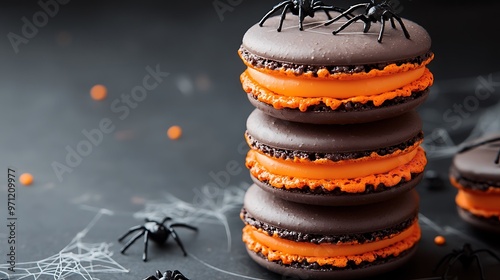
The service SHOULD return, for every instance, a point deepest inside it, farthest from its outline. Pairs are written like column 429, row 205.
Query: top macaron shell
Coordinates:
column 478, row 164
column 319, row 47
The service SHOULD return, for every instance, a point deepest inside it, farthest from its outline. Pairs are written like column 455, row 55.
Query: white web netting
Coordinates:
column 78, row 260
column 209, row 205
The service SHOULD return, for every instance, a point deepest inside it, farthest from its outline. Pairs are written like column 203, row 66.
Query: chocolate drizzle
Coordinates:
column 330, row 239
column 291, row 154
column 299, row 69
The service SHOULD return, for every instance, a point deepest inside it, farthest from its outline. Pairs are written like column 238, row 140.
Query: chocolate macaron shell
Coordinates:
column 336, row 117
column 478, row 164
column 324, row 220
column 491, row 224
column 294, row 136
column 361, row 273
column 316, row 45
column 340, row 200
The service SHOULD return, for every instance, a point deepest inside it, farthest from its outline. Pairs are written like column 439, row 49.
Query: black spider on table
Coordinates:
column 466, row 256
column 156, row 231
column 301, row 8
column 488, row 141
column 168, row 275
column 373, row 12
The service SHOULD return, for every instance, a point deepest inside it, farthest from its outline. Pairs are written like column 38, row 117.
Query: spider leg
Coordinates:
column 146, row 239
column 443, row 260
column 273, row 10
column 407, row 35
column 392, row 23
column 178, row 240
column 489, row 252
column 346, row 12
column 382, row 27
column 318, row 5
column 283, row 15
column 467, row 148
column 165, row 220
column 367, row 24
column 158, row 274
column 451, row 263
column 131, row 241
column 349, row 22
column 178, row 275
column 481, row 273
column 131, row 230
column 497, row 160
column 301, row 18
column 151, row 278
column 331, row 8
column 184, row 226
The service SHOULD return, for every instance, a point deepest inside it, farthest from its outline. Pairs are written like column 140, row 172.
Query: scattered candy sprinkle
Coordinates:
column 439, row 240
column 98, row 92
column 174, row 132
column 26, row 179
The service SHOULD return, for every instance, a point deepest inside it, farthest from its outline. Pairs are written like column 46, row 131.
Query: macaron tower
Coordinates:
column 334, row 143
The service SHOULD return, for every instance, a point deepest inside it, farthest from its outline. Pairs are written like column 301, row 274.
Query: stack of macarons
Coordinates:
column 475, row 172
column 334, row 147
column 312, row 76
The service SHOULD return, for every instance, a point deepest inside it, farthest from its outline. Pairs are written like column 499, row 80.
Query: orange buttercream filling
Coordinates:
column 372, row 156
column 476, row 200
column 280, row 101
column 277, row 249
column 480, row 203
column 313, row 87
column 331, row 170
column 355, row 185
column 325, row 74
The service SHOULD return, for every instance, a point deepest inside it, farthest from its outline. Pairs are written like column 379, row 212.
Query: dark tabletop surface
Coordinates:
column 68, row 221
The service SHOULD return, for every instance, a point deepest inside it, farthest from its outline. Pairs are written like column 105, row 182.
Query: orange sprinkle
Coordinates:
column 439, row 240
column 98, row 92
column 174, row 132
column 26, row 179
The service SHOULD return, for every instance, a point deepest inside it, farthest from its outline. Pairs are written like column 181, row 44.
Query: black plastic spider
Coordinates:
column 373, row 13
column 158, row 232
column 465, row 256
column 168, row 275
column 302, row 8
column 488, row 141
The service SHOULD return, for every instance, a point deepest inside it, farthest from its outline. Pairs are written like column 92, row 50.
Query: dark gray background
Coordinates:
column 45, row 106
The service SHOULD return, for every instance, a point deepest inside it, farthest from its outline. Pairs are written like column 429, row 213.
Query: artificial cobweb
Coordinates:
column 210, row 205
column 78, row 259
